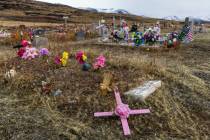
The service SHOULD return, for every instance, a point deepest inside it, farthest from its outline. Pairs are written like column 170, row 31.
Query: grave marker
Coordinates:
column 80, row 35
column 65, row 21
column 40, row 41
column 39, row 32
column 144, row 91
column 122, row 111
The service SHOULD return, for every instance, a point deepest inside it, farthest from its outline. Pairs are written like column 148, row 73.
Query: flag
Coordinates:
column 189, row 36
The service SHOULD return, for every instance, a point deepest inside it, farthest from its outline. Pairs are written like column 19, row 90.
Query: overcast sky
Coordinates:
column 153, row 8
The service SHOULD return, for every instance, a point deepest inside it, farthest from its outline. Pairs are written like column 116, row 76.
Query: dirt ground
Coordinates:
column 180, row 109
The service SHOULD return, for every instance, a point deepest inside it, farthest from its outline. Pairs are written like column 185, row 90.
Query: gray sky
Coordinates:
column 153, row 8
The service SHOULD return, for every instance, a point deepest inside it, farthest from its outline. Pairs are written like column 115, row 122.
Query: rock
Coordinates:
column 57, row 93
column 144, row 91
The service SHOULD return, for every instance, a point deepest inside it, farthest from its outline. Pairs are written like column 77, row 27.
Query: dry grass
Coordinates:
column 180, row 109
column 8, row 23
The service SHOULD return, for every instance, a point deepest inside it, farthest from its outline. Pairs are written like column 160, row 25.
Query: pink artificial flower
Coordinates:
column 24, row 43
column 30, row 53
column 122, row 110
column 100, row 62
column 57, row 60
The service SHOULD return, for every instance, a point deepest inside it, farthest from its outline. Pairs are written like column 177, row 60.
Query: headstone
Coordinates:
column 40, row 41
column 94, row 26
column 144, row 91
column 187, row 21
column 80, row 35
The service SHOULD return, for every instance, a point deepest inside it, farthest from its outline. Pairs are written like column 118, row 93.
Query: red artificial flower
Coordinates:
column 20, row 52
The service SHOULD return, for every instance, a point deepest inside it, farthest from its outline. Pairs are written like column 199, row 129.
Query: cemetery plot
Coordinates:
column 72, row 92
column 66, row 82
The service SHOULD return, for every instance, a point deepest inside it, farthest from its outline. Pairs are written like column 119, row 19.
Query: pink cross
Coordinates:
column 123, row 111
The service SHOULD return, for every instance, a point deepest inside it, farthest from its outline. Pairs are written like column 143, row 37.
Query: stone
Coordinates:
column 40, row 41
column 57, row 92
column 142, row 92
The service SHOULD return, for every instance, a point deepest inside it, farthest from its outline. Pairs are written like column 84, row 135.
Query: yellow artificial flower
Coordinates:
column 64, row 58
column 64, row 62
column 65, row 55
column 84, row 57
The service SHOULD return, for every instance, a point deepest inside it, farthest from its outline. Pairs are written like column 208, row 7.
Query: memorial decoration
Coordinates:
column 123, row 111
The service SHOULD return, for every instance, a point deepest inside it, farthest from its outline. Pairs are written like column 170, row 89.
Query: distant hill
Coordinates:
column 36, row 11
column 175, row 18
column 197, row 20
column 111, row 10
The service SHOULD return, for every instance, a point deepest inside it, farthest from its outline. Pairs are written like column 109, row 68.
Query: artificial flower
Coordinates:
column 64, row 61
column 81, row 57
column 64, row 58
column 151, row 36
column 65, row 55
column 100, row 62
column 24, row 43
column 57, row 60
column 44, row 52
column 20, row 52
column 84, row 57
column 30, row 53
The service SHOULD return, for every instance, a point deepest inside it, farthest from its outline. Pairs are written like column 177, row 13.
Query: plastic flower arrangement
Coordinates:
column 172, row 40
column 30, row 53
column 150, row 37
column 44, row 52
column 81, row 57
column 138, row 38
column 64, row 59
column 100, row 62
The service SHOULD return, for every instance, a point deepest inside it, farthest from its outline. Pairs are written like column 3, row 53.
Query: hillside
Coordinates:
column 35, row 11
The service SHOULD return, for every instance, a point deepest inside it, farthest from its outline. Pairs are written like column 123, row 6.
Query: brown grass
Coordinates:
column 8, row 23
column 180, row 109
